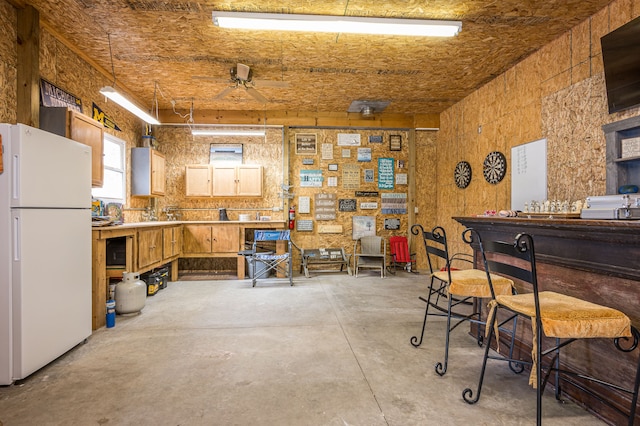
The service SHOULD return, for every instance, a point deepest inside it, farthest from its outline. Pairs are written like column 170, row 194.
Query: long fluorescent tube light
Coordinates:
column 336, row 24
column 116, row 97
column 205, row 132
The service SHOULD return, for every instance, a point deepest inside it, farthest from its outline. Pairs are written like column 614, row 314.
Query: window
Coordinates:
column 113, row 188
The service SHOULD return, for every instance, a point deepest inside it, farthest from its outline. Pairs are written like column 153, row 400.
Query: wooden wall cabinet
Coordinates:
column 210, row 240
column 147, row 172
column 149, row 247
column 204, row 180
column 81, row 128
column 198, row 180
column 237, row 181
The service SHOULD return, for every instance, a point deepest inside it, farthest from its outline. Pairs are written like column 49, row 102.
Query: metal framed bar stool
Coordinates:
column 563, row 318
column 460, row 288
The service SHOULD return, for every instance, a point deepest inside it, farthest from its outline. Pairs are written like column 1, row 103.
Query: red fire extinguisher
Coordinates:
column 292, row 217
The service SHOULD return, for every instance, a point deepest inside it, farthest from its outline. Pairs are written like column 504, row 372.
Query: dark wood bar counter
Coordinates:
column 595, row 260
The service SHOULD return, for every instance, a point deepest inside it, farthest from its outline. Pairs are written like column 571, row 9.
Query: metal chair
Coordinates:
column 461, row 288
column 278, row 262
column 561, row 317
column 400, row 255
column 370, row 252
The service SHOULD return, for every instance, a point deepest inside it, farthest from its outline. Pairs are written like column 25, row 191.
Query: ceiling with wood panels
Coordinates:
column 170, row 53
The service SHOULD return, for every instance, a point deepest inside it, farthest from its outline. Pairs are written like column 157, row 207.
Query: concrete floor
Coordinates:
column 332, row 350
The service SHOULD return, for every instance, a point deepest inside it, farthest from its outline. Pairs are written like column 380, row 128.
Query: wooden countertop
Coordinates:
column 253, row 223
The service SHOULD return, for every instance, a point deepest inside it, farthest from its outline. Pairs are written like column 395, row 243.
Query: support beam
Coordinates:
column 304, row 119
column 28, row 50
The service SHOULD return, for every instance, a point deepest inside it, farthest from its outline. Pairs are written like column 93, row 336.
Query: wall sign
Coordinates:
column 367, row 193
column 375, row 139
column 304, row 204
column 306, row 143
column 364, row 154
column 327, row 151
column 348, row 139
column 347, row 205
column 311, row 178
column 325, row 206
column 307, row 161
column 304, row 225
column 392, row 224
column 350, row 176
column 329, row 229
column 53, row 96
column 385, row 173
column 394, row 203
column 369, row 206
column 363, row 226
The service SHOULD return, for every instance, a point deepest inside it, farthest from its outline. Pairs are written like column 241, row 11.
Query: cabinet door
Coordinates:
column 226, row 238
column 196, row 239
column 171, row 242
column 224, row 181
column 149, row 246
column 157, row 173
column 249, row 180
column 90, row 132
column 198, row 180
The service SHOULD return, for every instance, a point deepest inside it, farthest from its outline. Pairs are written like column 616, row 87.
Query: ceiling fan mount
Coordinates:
column 242, row 77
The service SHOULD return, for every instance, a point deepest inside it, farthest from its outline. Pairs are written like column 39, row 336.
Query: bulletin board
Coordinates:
column 528, row 173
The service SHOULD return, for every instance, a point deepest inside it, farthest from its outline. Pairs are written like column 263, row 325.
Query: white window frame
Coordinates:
column 95, row 192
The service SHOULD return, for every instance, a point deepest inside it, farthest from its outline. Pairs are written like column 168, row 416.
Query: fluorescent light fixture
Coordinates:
column 336, row 24
column 218, row 132
column 116, row 97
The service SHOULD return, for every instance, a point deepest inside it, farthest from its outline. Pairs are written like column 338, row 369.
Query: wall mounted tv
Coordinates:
column 621, row 57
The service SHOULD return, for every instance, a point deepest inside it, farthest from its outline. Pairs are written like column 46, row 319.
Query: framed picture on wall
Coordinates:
column 333, row 167
column 395, row 143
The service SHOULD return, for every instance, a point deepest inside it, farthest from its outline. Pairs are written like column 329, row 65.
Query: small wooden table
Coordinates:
column 325, row 256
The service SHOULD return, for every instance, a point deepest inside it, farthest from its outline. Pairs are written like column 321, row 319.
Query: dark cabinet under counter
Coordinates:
column 595, row 260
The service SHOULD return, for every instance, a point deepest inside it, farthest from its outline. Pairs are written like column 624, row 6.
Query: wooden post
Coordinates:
column 28, row 49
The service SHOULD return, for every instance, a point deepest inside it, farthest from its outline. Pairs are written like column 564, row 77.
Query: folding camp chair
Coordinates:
column 278, row 262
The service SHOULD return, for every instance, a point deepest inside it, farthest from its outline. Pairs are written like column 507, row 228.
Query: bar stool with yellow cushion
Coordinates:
column 462, row 289
column 552, row 314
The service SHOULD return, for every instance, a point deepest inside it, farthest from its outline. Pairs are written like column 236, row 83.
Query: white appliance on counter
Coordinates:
column 45, row 249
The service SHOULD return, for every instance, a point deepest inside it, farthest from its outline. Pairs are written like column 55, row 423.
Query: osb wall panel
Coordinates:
column 65, row 69
column 378, row 150
column 181, row 148
column 8, row 63
column 557, row 93
column 426, row 189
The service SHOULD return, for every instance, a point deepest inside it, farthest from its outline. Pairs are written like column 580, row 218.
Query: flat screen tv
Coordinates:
column 621, row 57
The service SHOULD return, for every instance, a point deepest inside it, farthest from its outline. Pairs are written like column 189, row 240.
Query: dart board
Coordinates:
column 494, row 167
column 462, row 174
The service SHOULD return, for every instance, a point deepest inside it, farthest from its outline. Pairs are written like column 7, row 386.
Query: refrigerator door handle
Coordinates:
column 15, row 178
column 16, row 239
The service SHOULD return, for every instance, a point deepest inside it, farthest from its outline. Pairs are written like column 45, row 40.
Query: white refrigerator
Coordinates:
column 45, row 249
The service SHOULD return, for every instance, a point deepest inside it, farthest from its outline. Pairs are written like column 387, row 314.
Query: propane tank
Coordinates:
column 292, row 217
column 131, row 293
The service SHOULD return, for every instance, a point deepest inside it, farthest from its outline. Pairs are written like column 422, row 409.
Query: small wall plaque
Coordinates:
column 367, row 193
column 392, row 224
column 375, row 139
column 307, row 161
column 369, row 206
column 304, row 225
column 347, row 205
